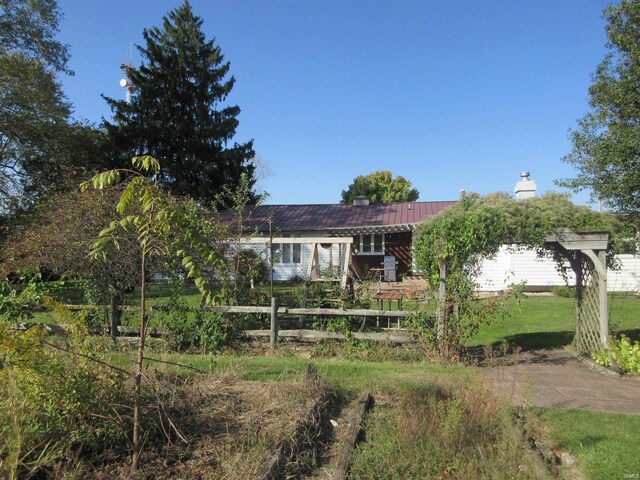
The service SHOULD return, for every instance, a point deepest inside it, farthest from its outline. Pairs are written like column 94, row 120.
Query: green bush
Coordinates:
column 54, row 407
column 564, row 291
column 18, row 304
column 625, row 354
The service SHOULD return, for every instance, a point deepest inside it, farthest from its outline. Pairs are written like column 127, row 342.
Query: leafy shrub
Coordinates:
column 54, row 407
column 564, row 291
column 624, row 353
column 190, row 328
column 18, row 305
column 194, row 330
column 459, row 324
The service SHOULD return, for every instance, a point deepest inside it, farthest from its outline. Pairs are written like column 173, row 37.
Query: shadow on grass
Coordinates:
column 523, row 342
column 549, row 340
column 632, row 334
column 539, row 340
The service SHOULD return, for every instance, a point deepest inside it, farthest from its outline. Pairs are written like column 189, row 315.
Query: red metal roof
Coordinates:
column 297, row 218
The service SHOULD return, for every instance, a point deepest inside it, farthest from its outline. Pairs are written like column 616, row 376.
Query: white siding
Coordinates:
column 627, row 279
column 327, row 257
column 511, row 267
column 508, row 268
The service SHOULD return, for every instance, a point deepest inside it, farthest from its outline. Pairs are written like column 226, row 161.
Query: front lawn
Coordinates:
column 549, row 321
column 606, row 445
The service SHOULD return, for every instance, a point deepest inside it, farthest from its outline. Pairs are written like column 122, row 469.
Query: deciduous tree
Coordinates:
column 606, row 144
column 41, row 148
column 161, row 230
column 56, row 237
column 380, row 187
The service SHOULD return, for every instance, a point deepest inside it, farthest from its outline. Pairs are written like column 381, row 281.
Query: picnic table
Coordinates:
column 389, row 296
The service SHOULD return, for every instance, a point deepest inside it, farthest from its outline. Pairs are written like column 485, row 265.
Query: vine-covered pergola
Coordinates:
column 450, row 246
column 586, row 253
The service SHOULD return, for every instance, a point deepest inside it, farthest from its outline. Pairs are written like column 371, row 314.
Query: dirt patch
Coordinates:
column 221, row 428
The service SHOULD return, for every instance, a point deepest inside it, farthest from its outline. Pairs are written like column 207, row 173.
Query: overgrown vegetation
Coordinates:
column 56, row 407
column 450, row 246
column 19, row 306
column 438, row 432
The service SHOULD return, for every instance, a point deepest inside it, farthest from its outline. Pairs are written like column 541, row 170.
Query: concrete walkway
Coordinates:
column 555, row 378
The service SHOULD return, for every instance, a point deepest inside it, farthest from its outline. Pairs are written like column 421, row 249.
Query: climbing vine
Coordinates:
column 450, row 246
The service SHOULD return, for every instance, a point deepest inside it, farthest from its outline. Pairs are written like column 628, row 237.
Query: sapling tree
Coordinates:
column 245, row 267
column 162, row 229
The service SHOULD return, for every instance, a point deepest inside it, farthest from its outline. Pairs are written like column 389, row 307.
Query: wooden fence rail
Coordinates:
column 309, row 312
column 394, row 337
column 275, row 312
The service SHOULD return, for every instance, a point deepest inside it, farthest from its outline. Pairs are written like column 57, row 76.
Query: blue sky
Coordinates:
column 450, row 94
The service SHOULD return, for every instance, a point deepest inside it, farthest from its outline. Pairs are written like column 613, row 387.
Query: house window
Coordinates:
column 286, row 252
column 369, row 243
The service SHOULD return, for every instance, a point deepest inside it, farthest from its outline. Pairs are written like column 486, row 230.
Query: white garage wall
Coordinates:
column 511, row 267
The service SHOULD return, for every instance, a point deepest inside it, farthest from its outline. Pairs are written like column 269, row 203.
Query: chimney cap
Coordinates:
column 525, row 188
column 361, row 200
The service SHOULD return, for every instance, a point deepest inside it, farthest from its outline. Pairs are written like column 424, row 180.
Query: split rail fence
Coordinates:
column 276, row 313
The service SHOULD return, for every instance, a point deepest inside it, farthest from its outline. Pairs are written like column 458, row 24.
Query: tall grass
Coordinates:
column 437, row 432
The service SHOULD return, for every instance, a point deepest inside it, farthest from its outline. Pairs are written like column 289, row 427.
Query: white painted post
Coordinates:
column 604, row 308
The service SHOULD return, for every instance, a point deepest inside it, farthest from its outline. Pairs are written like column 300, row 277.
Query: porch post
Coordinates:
column 604, row 307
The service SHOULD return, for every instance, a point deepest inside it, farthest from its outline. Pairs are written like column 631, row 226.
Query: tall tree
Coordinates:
column 40, row 146
column 175, row 113
column 380, row 187
column 32, row 106
column 606, row 144
column 56, row 236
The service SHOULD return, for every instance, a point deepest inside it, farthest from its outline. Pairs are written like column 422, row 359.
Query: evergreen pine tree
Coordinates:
column 175, row 113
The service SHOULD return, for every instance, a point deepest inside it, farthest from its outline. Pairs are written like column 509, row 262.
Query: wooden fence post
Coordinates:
column 274, row 323
column 441, row 307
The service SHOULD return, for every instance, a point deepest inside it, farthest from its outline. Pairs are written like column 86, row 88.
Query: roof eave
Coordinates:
column 348, row 231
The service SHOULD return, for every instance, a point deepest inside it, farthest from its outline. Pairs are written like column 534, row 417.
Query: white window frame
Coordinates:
column 291, row 253
column 360, row 244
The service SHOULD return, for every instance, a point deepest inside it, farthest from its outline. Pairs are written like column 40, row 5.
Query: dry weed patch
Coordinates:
column 436, row 431
column 217, row 426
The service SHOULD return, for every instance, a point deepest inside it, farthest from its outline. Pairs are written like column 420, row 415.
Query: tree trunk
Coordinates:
column 137, row 446
column 115, row 314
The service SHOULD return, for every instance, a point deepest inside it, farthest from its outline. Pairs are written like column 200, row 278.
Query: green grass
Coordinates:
column 352, row 376
column 548, row 322
column 606, row 445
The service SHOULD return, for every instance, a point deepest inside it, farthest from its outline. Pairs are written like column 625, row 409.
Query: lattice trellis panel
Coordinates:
column 587, row 337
